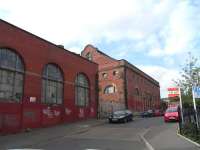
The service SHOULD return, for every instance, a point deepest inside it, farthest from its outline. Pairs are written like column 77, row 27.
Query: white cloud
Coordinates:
column 90, row 21
column 159, row 28
column 168, row 61
column 164, row 76
column 180, row 32
column 66, row 21
column 75, row 49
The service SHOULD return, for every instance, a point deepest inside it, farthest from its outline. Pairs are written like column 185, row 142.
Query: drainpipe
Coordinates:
column 125, row 87
column 97, row 95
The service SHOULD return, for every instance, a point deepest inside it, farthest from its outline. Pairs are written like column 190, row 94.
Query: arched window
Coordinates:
column 109, row 89
column 52, row 85
column 89, row 56
column 104, row 75
column 115, row 72
column 81, row 90
column 11, row 75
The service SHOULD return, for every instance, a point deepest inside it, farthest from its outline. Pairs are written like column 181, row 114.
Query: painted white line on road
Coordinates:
column 25, row 149
column 148, row 145
column 187, row 139
column 92, row 149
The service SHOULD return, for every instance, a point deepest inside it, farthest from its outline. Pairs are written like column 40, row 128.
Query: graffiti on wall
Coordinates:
column 81, row 113
column 67, row 111
column 51, row 113
column 92, row 110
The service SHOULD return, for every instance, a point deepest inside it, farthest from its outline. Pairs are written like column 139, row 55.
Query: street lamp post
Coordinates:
column 111, row 102
column 181, row 106
column 195, row 84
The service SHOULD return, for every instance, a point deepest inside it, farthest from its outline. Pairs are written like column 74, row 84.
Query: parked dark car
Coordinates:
column 148, row 113
column 158, row 113
column 121, row 116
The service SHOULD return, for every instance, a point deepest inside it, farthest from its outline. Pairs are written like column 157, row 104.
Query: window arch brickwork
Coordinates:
column 110, row 89
column 89, row 56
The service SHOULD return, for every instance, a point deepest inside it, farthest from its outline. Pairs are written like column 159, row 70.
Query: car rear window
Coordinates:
column 172, row 109
column 119, row 113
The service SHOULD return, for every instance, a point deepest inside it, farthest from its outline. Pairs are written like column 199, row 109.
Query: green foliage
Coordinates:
column 198, row 102
column 163, row 106
column 190, row 131
column 190, row 76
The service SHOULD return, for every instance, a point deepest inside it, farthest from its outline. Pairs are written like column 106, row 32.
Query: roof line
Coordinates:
column 99, row 51
column 57, row 46
column 106, row 54
column 145, row 74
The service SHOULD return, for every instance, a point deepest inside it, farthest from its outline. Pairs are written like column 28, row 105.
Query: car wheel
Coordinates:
column 125, row 120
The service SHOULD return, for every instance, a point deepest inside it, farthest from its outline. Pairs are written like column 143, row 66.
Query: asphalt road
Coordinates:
column 161, row 136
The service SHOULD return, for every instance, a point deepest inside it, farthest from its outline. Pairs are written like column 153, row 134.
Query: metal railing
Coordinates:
column 188, row 126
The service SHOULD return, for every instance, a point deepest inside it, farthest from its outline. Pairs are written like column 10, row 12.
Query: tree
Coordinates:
column 190, row 76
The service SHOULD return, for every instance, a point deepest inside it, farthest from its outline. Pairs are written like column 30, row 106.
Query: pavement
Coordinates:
column 165, row 138
column 116, row 136
column 140, row 134
column 42, row 135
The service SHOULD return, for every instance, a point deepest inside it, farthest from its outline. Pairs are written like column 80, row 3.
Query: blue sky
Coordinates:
column 154, row 35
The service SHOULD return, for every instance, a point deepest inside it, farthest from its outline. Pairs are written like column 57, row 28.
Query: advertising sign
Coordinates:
column 173, row 92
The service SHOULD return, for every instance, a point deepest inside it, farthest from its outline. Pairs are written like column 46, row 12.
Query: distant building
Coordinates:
column 122, row 85
column 166, row 100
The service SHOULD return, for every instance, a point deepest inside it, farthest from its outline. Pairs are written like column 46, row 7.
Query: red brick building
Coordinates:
column 122, row 85
column 42, row 84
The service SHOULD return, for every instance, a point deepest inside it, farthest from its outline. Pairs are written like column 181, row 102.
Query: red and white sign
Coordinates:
column 173, row 92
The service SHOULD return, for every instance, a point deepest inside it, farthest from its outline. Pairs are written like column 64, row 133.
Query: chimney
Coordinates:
column 61, row 46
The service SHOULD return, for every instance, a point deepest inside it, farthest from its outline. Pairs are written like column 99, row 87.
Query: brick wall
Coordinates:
column 127, row 80
column 108, row 65
column 36, row 53
column 148, row 97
